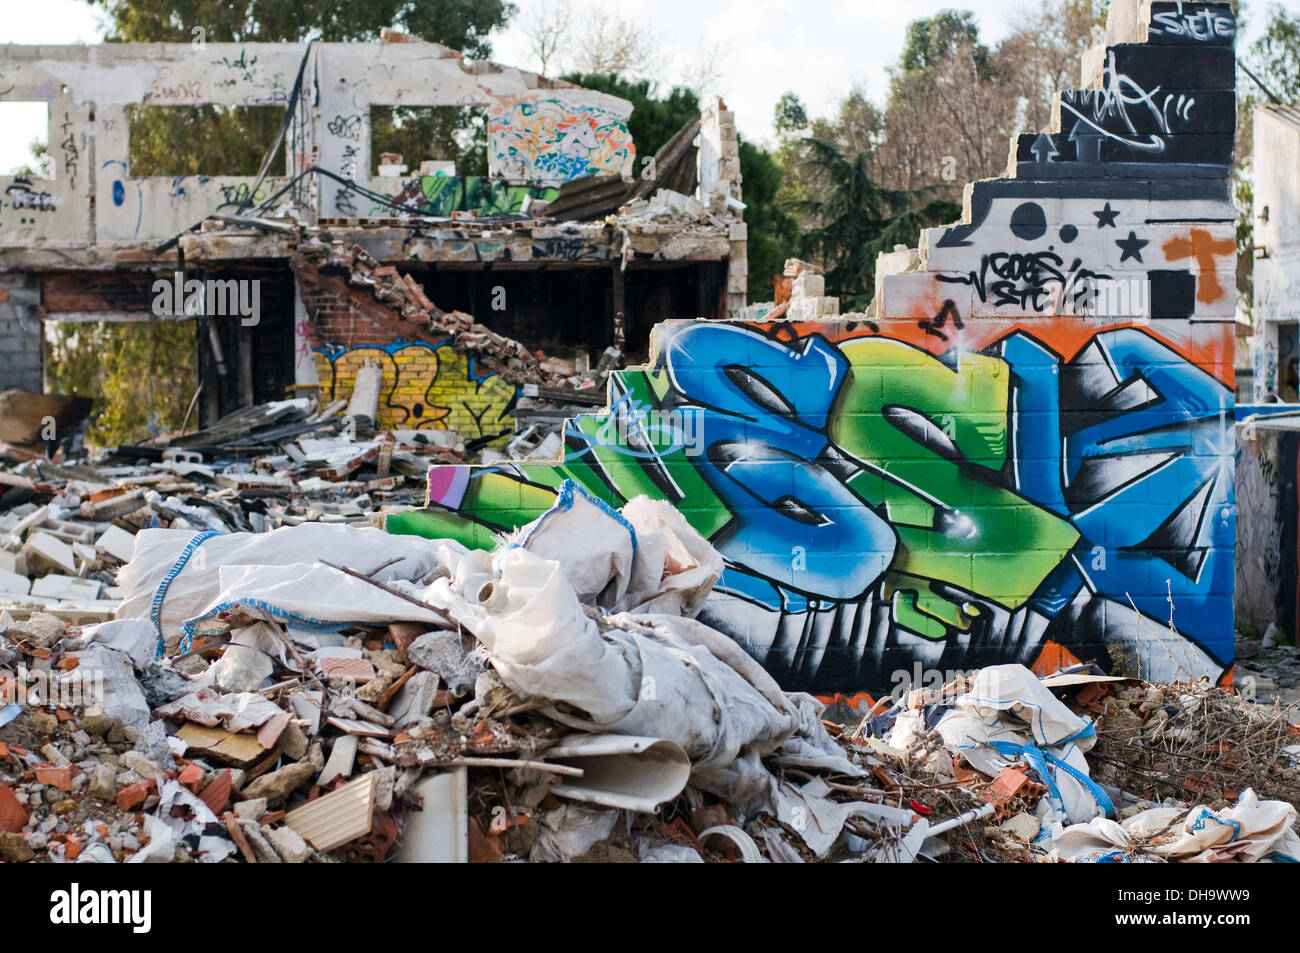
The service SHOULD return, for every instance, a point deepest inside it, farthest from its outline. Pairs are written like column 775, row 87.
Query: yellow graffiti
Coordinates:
column 422, row 388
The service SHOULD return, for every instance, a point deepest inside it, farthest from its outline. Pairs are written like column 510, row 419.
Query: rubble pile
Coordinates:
column 501, row 355
column 66, row 528
column 546, row 376
column 331, row 692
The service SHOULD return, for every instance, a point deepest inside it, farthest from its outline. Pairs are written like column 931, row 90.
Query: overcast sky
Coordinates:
column 817, row 48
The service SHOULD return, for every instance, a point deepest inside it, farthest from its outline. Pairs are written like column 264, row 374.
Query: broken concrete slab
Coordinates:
column 45, row 553
column 117, row 543
column 70, row 588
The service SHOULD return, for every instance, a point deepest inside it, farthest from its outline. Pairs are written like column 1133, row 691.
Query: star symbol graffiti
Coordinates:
column 1132, row 247
column 1106, row 216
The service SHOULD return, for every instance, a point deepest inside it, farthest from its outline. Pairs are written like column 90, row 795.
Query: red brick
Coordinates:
column 60, row 778
column 217, row 794
column 190, row 776
column 132, row 797
column 483, row 848
column 13, row 818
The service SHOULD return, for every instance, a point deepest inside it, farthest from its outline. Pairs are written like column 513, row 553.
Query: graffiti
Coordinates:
column 346, row 127
column 22, row 195
column 425, row 387
column 242, row 64
column 276, row 97
column 1095, row 109
column 1199, row 22
column 1201, row 245
column 869, row 479
column 440, row 195
column 188, row 90
column 71, row 155
column 1030, row 282
column 345, row 203
column 569, row 249
column 239, row 193
column 554, row 139
column 348, row 164
column 1026, row 454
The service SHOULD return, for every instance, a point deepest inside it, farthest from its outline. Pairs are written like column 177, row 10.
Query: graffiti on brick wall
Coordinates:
column 424, row 387
column 440, row 195
column 876, row 501
column 552, row 139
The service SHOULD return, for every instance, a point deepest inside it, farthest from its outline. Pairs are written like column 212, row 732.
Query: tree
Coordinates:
column 789, row 115
column 461, row 24
column 546, row 28
column 141, row 375
column 933, row 40
column 948, row 118
column 611, row 43
column 1042, row 54
column 1275, row 56
column 857, row 218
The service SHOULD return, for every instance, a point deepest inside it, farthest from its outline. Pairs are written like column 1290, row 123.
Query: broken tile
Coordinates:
column 338, row 817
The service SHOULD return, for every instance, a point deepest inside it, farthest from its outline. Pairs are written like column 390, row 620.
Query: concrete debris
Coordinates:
column 336, row 693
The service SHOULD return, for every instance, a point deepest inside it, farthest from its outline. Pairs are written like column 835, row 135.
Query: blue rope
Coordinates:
column 155, row 610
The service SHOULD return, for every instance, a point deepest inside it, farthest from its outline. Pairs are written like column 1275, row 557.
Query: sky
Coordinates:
column 816, row 48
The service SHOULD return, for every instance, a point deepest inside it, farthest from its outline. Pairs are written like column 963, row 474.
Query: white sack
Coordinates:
column 193, row 586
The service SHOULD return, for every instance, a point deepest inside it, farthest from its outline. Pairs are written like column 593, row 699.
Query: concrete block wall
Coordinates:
column 1023, row 453
column 20, row 332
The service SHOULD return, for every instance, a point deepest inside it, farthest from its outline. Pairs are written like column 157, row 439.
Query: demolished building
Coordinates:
column 1021, row 456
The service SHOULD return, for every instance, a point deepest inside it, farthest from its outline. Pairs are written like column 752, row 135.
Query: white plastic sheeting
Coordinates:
column 654, row 674
column 585, row 606
column 1249, row 831
column 1009, row 716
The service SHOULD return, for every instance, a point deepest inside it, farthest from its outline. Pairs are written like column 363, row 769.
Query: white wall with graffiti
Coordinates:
column 1276, row 345
column 541, row 134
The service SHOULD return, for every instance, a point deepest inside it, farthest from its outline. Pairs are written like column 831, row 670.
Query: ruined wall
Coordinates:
column 426, row 384
column 20, row 333
column 543, row 136
column 1276, row 279
column 1267, row 505
column 1025, row 453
